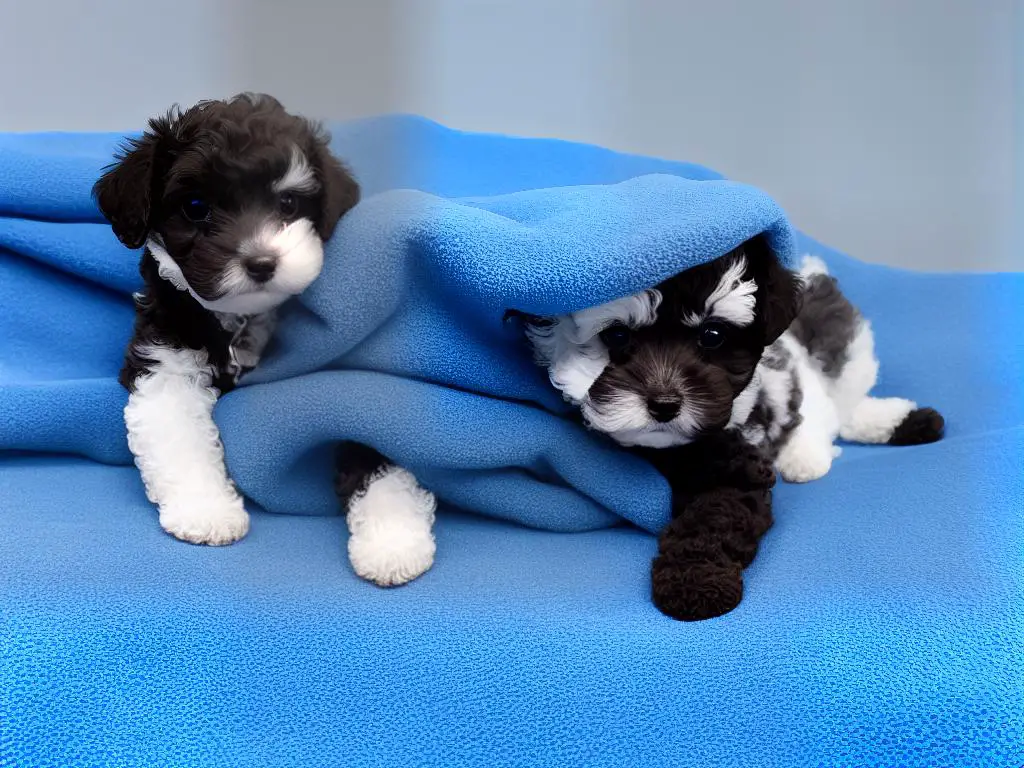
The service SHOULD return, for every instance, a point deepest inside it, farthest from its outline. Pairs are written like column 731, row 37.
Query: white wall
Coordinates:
column 110, row 64
column 884, row 127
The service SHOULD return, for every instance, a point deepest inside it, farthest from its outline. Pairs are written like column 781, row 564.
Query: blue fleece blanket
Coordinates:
column 882, row 624
column 401, row 343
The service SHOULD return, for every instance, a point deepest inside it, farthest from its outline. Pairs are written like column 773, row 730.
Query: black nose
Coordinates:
column 663, row 408
column 260, row 268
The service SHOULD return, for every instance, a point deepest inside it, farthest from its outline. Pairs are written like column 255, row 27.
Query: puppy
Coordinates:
column 745, row 363
column 232, row 201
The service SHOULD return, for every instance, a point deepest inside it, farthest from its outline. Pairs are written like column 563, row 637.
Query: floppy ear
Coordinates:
column 779, row 290
column 125, row 191
column 339, row 192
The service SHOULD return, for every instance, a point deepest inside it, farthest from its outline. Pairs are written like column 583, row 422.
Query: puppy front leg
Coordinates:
column 390, row 517
column 721, row 508
column 698, row 573
column 177, row 446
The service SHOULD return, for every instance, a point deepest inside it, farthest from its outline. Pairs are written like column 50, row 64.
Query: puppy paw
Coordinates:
column 393, row 557
column 801, row 461
column 205, row 522
column 922, row 425
column 391, row 525
column 692, row 591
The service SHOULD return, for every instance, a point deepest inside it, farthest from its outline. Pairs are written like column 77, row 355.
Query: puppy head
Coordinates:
column 234, row 198
column 663, row 367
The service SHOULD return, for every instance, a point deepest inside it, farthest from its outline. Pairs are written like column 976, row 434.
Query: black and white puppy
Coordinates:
column 719, row 376
column 233, row 201
column 738, row 344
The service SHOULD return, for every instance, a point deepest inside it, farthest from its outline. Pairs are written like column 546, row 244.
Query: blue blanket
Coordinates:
column 401, row 343
column 882, row 623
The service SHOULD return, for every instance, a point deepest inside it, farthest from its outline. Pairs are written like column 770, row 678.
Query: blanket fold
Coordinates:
column 401, row 342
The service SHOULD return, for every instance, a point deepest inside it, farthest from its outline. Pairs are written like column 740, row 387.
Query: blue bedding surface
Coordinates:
column 882, row 624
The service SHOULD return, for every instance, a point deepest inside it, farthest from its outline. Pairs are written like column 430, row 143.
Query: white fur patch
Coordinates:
column 745, row 401
column 391, row 525
column 836, row 407
column 299, row 177
column 733, row 300
column 627, row 411
column 875, row 419
column 299, row 252
column 812, row 265
column 300, row 257
column 570, row 348
column 807, row 453
column 169, row 270
column 859, row 374
column 575, row 373
column 178, row 451
column 628, row 421
column 634, row 311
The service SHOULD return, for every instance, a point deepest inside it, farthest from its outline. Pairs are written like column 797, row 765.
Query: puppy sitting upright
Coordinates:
column 714, row 375
column 233, row 201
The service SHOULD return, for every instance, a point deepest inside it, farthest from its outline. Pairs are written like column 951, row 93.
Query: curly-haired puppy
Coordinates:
column 719, row 372
column 232, row 201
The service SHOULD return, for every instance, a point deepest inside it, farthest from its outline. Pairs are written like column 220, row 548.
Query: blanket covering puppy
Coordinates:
column 713, row 376
column 402, row 344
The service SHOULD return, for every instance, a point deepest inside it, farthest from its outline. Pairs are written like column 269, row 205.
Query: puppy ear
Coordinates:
column 779, row 290
column 339, row 191
column 125, row 191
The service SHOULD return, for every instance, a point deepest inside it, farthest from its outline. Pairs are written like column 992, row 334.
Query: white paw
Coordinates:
column 802, row 462
column 389, row 558
column 206, row 522
column 391, row 524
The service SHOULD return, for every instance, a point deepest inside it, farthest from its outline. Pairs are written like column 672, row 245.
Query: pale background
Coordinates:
column 887, row 128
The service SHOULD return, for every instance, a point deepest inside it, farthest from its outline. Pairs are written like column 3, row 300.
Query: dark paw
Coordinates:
column 727, row 524
column 689, row 591
column 924, row 425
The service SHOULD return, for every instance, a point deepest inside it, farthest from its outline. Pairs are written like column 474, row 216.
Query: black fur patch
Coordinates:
column 924, row 425
column 355, row 464
column 826, row 324
column 721, row 501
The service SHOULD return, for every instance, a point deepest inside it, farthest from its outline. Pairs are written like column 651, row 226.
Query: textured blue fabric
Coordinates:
column 401, row 343
column 410, row 305
column 881, row 626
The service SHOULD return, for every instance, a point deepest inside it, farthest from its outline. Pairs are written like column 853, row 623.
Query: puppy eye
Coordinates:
column 196, row 210
column 288, row 204
column 616, row 337
column 712, row 335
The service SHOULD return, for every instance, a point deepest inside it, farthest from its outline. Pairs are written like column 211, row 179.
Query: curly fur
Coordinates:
column 271, row 192
column 719, row 376
column 721, row 508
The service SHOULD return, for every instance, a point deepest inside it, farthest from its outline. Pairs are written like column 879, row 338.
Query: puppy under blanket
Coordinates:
column 401, row 343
